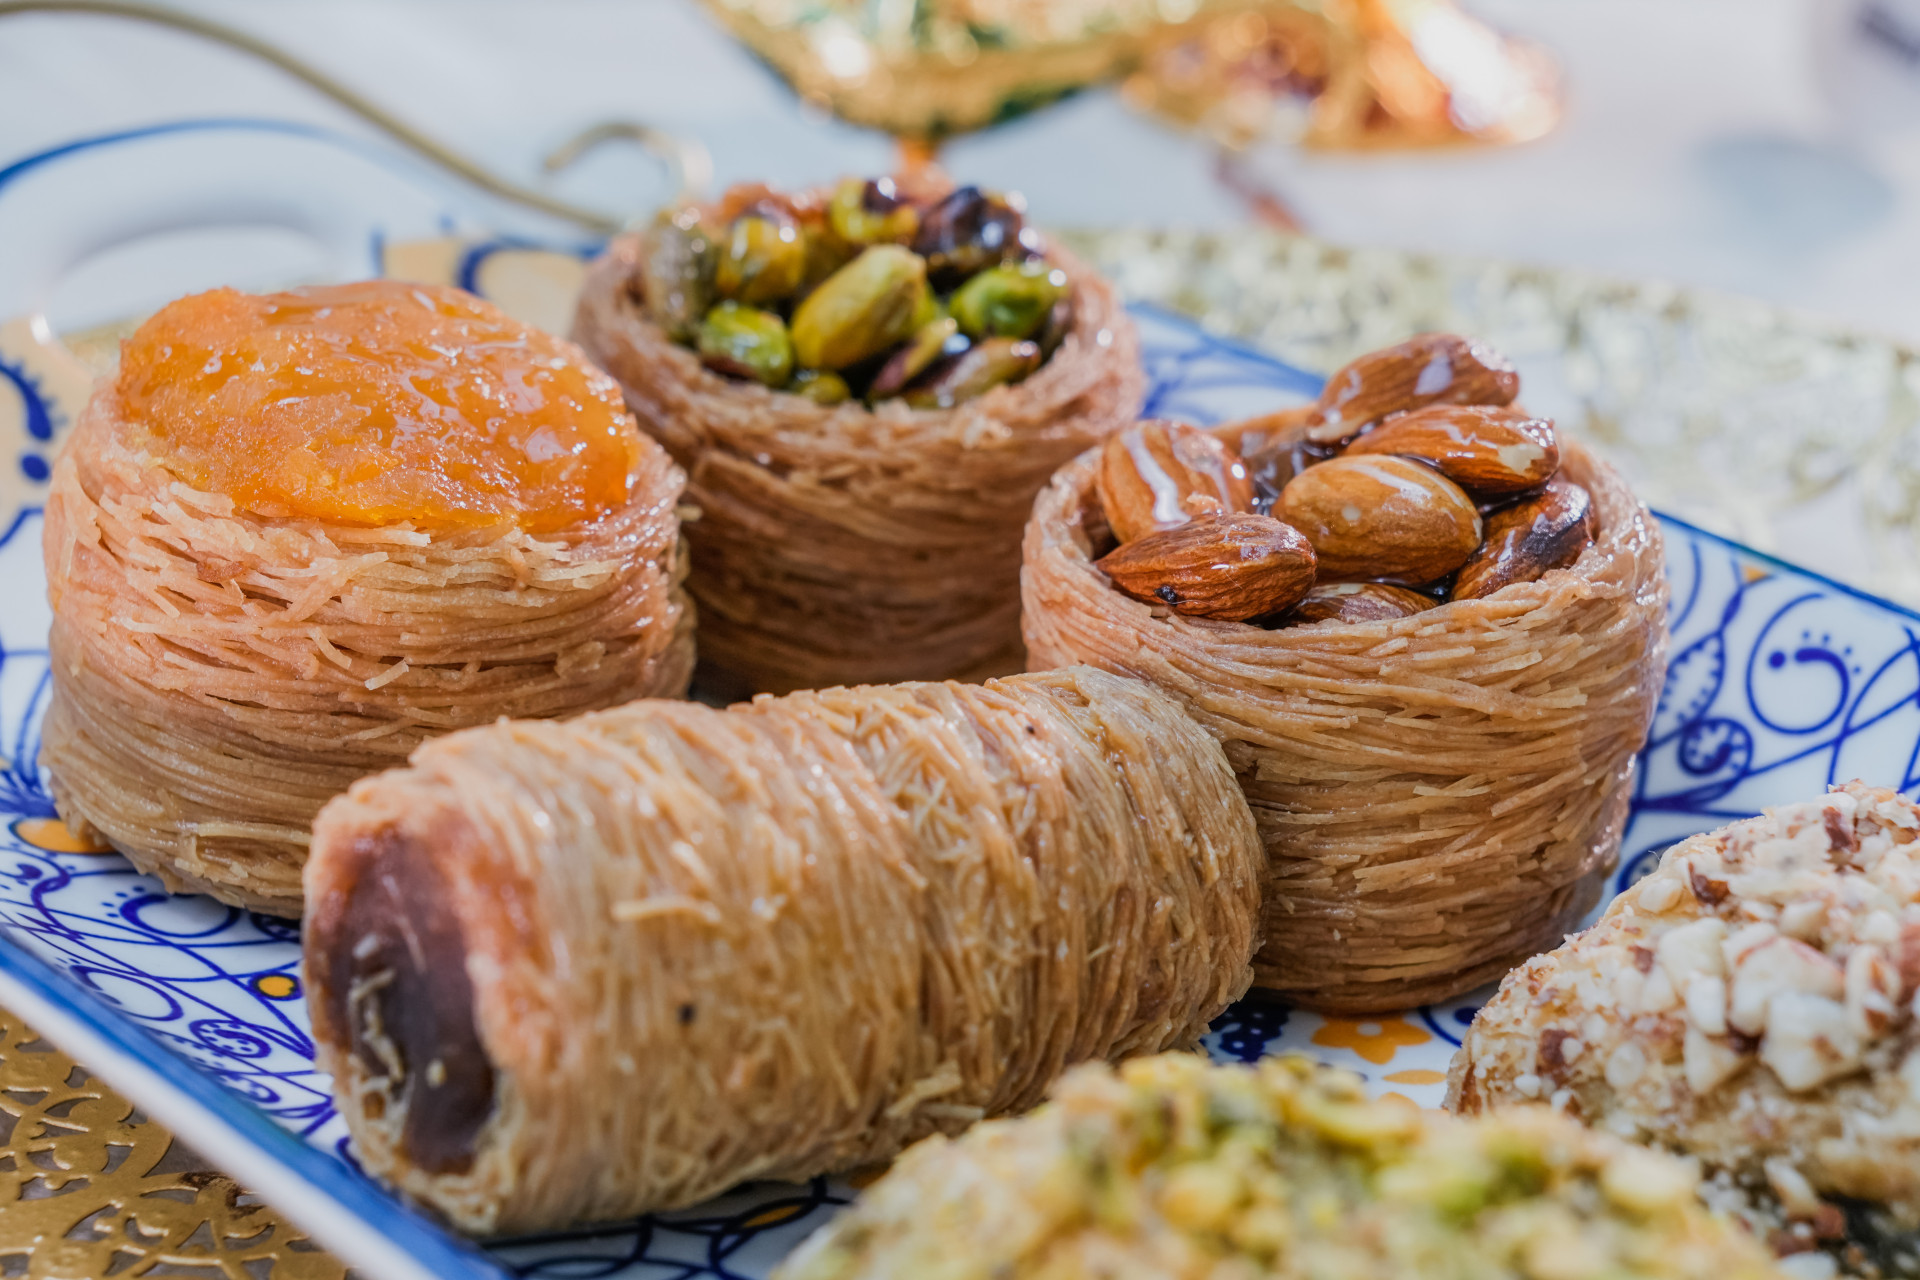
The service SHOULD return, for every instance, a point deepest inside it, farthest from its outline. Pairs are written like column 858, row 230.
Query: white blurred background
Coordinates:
column 1764, row 147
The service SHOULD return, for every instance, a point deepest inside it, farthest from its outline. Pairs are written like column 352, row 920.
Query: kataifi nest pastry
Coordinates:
column 1749, row 1003
column 577, row 970
column 866, row 388
column 298, row 534
column 1429, row 632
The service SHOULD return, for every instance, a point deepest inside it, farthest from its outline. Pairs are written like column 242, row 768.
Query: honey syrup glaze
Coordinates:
column 379, row 402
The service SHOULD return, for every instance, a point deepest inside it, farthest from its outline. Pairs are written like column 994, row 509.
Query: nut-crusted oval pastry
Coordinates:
column 1751, row 1003
column 301, row 533
column 576, row 971
column 1381, row 518
column 1440, row 794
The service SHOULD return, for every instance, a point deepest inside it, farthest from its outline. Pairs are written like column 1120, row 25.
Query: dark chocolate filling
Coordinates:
column 397, row 984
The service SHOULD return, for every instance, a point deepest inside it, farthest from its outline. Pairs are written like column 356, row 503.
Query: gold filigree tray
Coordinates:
column 92, row 1189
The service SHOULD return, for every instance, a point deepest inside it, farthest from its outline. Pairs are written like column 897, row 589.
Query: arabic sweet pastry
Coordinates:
column 1751, row 1003
column 298, row 534
column 1169, row 1167
column 579, row 970
column 866, row 386
column 1429, row 631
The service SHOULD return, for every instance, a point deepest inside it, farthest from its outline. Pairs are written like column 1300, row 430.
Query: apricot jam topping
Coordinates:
column 379, row 402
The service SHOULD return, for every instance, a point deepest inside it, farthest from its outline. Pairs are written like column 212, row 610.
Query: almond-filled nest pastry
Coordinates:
column 298, row 534
column 866, row 385
column 1169, row 1168
column 1751, row 1003
column 575, row 971
column 1429, row 631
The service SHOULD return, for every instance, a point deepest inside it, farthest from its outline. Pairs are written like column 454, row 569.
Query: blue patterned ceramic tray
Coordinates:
column 1781, row 682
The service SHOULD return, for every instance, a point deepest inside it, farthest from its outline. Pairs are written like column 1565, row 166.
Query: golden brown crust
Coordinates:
column 1440, row 795
column 217, row 675
column 841, row 545
column 797, row 934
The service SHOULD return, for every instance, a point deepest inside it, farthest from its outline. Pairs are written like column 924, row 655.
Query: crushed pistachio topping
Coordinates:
column 1170, row 1166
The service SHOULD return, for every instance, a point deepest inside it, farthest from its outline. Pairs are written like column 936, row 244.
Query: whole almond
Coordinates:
column 1359, row 602
column 1525, row 540
column 1150, row 471
column 1490, row 451
column 1233, row 567
column 1381, row 518
column 1433, row 368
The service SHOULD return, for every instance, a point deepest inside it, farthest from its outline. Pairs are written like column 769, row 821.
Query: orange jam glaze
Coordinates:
column 379, row 402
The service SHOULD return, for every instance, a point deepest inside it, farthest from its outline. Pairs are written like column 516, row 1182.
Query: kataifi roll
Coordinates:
column 580, row 970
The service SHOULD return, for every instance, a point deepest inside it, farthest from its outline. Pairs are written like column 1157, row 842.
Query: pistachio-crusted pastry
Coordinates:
column 300, row 533
column 581, row 970
column 1429, row 631
column 1751, row 1002
column 866, row 387
column 1168, row 1167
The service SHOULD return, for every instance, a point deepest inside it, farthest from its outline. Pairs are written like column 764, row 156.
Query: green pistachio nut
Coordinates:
column 747, row 343
column 1009, row 301
column 825, row 251
column 677, row 256
column 989, row 363
column 762, row 260
column 928, row 343
column 872, row 213
column 862, row 309
column 929, row 310
column 822, row 386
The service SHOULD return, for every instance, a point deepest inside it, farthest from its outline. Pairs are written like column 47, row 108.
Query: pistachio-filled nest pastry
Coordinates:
column 866, row 387
column 1429, row 631
column 298, row 534
column 581, row 970
column 1751, row 1003
column 1171, row 1169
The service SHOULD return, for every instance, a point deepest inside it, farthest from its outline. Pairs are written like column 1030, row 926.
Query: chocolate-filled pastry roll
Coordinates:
column 574, row 971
